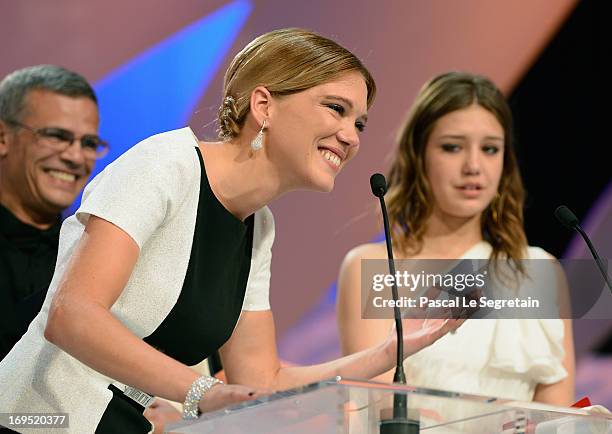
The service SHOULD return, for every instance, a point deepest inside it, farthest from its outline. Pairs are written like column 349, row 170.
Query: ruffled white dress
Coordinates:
column 505, row 358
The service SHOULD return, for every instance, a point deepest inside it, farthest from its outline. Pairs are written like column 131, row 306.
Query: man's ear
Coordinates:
column 4, row 137
column 261, row 98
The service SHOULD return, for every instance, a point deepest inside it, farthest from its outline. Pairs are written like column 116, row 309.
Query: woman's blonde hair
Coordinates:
column 409, row 197
column 284, row 61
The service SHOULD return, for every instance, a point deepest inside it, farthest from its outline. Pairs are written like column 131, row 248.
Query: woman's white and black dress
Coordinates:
column 198, row 268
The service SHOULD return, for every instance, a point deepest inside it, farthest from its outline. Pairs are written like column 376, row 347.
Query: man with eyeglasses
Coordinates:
column 48, row 147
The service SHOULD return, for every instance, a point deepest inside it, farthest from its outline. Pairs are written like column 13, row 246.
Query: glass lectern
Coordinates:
column 341, row 406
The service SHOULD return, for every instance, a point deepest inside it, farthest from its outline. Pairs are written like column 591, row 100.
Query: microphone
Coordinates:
column 378, row 183
column 400, row 422
column 567, row 217
column 570, row 221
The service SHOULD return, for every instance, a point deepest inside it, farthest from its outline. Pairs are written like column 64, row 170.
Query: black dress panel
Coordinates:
column 209, row 304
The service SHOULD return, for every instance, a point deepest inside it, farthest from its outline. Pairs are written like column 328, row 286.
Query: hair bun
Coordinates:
column 228, row 122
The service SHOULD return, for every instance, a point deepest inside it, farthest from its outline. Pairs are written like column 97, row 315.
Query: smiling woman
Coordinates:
column 317, row 132
column 321, row 94
column 168, row 257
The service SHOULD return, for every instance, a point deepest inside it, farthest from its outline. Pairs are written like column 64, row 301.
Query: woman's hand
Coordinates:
column 421, row 333
column 222, row 395
column 161, row 413
column 423, row 326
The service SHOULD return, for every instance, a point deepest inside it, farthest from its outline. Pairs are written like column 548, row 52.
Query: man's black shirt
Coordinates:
column 27, row 262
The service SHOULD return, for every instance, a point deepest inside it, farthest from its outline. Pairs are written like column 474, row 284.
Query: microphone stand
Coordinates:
column 399, row 423
column 598, row 260
column 570, row 221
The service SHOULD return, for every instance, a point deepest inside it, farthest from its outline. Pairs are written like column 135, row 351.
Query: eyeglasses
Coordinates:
column 59, row 139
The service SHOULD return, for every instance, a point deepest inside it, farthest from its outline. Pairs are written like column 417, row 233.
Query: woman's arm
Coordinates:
column 250, row 356
column 356, row 333
column 80, row 321
column 562, row 392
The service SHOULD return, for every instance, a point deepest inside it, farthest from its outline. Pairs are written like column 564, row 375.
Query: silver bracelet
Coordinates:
column 194, row 395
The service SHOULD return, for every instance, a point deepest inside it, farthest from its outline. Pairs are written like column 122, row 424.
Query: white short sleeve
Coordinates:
column 145, row 185
column 257, row 296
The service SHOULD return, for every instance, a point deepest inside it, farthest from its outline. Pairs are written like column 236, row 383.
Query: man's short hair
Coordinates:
column 15, row 86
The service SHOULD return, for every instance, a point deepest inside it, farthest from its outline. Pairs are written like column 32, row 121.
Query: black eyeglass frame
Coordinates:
column 68, row 138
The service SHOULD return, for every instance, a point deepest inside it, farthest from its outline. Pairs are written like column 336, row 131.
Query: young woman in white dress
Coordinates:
column 455, row 192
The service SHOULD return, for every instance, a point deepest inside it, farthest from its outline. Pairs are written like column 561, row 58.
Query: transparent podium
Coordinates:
column 360, row 407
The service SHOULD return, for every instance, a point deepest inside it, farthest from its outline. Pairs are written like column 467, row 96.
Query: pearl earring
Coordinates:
column 257, row 142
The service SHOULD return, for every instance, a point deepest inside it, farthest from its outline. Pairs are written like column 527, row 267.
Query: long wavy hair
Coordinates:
column 409, row 197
